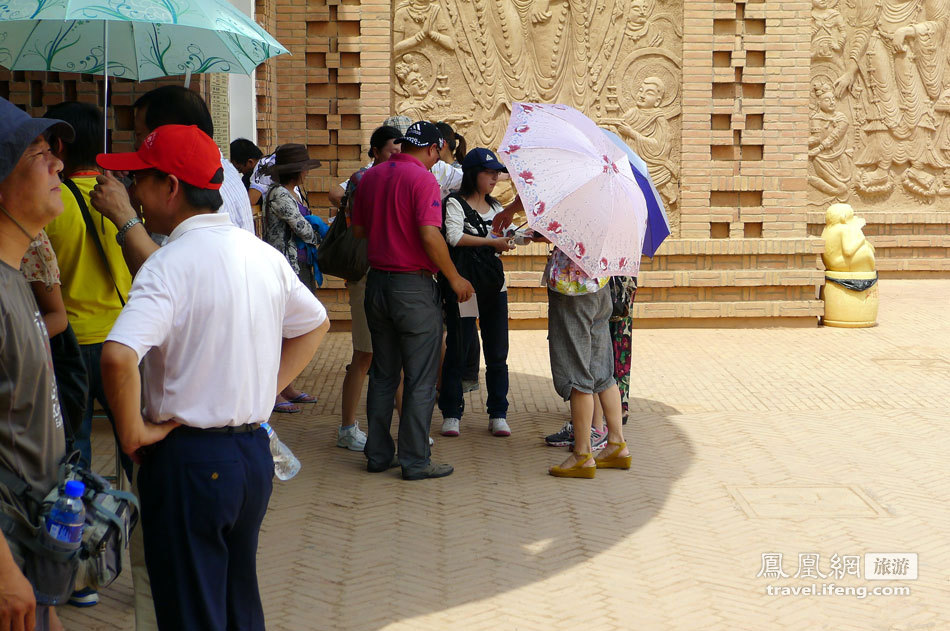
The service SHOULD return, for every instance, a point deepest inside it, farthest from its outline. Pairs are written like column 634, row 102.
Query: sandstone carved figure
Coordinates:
column 827, row 146
column 648, row 131
column 419, row 101
column 898, row 49
column 827, row 30
column 414, row 21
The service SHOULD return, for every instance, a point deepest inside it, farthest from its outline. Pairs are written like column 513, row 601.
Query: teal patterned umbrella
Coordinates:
column 133, row 39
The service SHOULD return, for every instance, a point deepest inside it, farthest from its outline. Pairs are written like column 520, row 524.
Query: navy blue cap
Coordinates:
column 483, row 159
column 422, row 134
column 18, row 130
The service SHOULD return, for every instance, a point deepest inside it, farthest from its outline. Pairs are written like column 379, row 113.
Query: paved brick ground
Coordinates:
column 745, row 442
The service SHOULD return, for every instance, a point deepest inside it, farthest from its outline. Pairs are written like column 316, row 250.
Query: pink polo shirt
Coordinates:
column 393, row 200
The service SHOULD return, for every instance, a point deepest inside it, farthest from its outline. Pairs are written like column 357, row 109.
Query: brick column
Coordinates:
column 745, row 119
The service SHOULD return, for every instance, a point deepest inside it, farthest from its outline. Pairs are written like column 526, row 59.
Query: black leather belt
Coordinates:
column 416, row 272
column 230, row 429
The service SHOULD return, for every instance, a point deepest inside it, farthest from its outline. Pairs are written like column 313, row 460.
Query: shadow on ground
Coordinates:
column 360, row 551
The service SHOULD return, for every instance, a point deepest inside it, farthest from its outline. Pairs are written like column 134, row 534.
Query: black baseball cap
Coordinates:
column 422, row 134
column 484, row 159
column 18, row 130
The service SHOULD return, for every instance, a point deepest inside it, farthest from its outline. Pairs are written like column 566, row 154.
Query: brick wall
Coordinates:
column 745, row 118
column 34, row 92
column 329, row 93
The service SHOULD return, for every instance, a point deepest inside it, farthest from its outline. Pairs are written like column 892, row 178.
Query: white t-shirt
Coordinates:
column 207, row 312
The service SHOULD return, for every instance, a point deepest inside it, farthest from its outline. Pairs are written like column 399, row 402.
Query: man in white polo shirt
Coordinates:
column 221, row 324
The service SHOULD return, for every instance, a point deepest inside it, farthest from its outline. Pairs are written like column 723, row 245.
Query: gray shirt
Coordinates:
column 32, row 441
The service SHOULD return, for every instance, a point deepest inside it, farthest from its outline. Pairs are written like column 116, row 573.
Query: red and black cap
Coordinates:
column 180, row 150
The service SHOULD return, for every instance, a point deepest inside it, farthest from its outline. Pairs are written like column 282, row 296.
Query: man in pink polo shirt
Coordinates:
column 398, row 208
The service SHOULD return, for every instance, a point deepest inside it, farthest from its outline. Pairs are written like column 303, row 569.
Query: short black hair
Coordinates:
column 202, row 198
column 175, row 105
column 243, row 150
column 381, row 136
column 86, row 120
column 207, row 199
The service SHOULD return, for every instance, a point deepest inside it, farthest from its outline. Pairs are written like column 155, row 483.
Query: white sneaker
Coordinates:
column 450, row 427
column 351, row 438
column 499, row 427
column 431, row 442
column 598, row 439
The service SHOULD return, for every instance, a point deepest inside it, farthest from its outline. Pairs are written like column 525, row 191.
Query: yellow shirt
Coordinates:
column 92, row 304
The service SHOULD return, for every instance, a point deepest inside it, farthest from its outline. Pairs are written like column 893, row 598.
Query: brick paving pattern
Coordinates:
column 745, row 442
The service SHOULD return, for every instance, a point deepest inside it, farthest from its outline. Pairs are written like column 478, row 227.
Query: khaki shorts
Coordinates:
column 362, row 341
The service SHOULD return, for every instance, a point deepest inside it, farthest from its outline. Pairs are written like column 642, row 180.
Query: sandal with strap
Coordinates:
column 303, row 397
column 577, row 471
column 614, row 461
column 286, row 407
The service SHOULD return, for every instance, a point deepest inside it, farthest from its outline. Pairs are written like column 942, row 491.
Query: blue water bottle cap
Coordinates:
column 75, row 488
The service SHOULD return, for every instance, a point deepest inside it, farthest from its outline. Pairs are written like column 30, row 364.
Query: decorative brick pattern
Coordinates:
column 35, row 92
column 745, row 113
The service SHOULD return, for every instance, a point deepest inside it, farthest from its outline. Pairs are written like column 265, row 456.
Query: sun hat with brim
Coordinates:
column 291, row 158
column 18, row 130
column 482, row 158
column 180, row 150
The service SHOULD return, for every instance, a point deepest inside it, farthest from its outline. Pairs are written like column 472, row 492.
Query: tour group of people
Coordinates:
column 140, row 283
column 415, row 322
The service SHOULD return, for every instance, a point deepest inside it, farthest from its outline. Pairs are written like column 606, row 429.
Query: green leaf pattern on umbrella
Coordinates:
column 256, row 52
column 67, row 37
column 27, row 10
column 94, row 63
column 151, row 38
column 165, row 11
column 6, row 55
column 196, row 61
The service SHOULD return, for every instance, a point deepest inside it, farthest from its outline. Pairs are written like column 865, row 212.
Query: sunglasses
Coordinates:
column 137, row 176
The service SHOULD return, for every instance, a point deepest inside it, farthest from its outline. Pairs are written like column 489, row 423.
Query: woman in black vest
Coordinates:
column 468, row 218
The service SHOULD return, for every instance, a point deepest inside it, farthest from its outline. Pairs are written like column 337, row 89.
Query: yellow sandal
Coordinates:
column 577, row 471
column 614, row 461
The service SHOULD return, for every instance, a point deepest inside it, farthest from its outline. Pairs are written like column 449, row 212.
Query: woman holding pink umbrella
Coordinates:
column 582, row 362
column 578, row 192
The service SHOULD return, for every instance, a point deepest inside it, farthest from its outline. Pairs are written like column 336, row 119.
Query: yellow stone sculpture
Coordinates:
column 850, row 291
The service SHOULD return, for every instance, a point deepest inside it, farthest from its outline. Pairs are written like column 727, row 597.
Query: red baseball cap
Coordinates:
column 180, row 150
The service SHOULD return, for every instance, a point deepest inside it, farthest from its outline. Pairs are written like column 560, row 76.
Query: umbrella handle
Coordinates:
column 105, row 86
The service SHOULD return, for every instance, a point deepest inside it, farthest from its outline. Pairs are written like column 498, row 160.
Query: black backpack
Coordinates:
column 479, row 265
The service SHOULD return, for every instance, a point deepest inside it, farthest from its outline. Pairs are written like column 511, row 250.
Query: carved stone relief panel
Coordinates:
column 618, row 61
column 880, row 123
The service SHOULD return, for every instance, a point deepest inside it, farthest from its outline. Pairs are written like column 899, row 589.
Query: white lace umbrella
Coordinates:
column 577, row 187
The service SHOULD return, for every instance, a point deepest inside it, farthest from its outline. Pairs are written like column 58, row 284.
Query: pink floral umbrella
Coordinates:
column 577, row 187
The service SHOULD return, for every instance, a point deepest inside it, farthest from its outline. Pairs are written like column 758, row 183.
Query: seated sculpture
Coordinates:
column 846, row 247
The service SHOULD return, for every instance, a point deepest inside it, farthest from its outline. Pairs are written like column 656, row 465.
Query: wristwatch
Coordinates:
column 120, row 236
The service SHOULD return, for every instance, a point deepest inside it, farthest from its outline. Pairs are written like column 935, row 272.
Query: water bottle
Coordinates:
column 54, row 577
column 68, row 516
column 286, row 464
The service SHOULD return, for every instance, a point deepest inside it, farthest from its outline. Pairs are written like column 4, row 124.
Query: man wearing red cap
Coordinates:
column 215, row 310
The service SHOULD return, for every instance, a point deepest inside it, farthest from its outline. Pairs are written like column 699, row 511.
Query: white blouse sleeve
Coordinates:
column 454, row 221
column 448, row 176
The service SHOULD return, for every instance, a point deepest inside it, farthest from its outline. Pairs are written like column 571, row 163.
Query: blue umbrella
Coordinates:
column 658, row 225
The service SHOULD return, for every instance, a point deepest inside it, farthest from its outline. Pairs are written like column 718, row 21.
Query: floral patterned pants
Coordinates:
column 621, row 334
